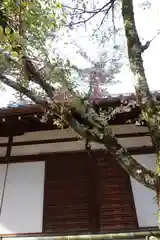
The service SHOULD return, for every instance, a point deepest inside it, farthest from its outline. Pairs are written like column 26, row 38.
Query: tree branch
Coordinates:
column 147, row 44
column 132, row 167
column 34, row 75
column 103, row 19
column 95, row 12
column 81, row 9
column 100, row 132
column 18, row 87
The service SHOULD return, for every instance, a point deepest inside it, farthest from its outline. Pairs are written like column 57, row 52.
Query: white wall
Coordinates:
column 146, row 206
column 2, row 179
column 22, row 210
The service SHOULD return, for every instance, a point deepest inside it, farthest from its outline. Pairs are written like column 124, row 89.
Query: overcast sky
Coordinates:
column 148, row 24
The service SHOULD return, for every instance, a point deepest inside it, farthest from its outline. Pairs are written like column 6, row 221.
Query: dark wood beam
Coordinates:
column 141, row 150
column 46, row 141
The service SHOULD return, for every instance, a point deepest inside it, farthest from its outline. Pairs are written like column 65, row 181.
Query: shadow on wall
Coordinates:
column 22, row 209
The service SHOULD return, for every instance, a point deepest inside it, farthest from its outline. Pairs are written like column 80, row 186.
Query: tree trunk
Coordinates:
column 149, row 110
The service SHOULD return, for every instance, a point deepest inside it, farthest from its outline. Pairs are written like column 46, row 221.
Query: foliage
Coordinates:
column 23, row 31
column 29, row 24
column 25, row 18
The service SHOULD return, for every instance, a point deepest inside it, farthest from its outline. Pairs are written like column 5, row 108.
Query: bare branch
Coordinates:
column 95, row 12
column 82, row 10
column 100, row 25
column 83, row 53
column 147, row 44
column 103, row 19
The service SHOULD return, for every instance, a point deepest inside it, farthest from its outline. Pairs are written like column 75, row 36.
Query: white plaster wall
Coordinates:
column 3, row 139
column 22, row 210
column 2, row 178
column 145, row 204
column 43, row 135
column 3, row 151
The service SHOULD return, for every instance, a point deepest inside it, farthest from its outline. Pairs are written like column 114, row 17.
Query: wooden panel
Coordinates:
column 70, row 197
column 66, row 202
column 116, row 203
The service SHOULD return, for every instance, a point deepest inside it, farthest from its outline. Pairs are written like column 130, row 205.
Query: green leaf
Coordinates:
column 1, row 30
column 7, row 31
column 59, row 5
column 32, row 6
column 14, row 54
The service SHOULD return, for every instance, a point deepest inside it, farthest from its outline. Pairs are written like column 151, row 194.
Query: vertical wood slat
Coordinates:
column 85, row 195
column 91, row 184
column 117, row 210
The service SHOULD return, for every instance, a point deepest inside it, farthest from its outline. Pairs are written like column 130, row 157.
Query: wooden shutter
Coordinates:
column 77, row 201
column 65, row 195
column 117, row 210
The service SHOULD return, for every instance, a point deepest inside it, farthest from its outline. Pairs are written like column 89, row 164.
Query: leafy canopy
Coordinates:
column 28, row 23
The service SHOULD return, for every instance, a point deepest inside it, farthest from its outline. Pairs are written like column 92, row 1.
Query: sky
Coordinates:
column 148, row 24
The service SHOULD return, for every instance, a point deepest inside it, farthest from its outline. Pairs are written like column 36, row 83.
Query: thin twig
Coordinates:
column 101, row 23
column 147, row 44
column 103, row 19
column 93, row 15
column 80, row 9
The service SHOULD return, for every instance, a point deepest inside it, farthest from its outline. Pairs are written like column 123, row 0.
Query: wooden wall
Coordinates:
column 87, row 193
